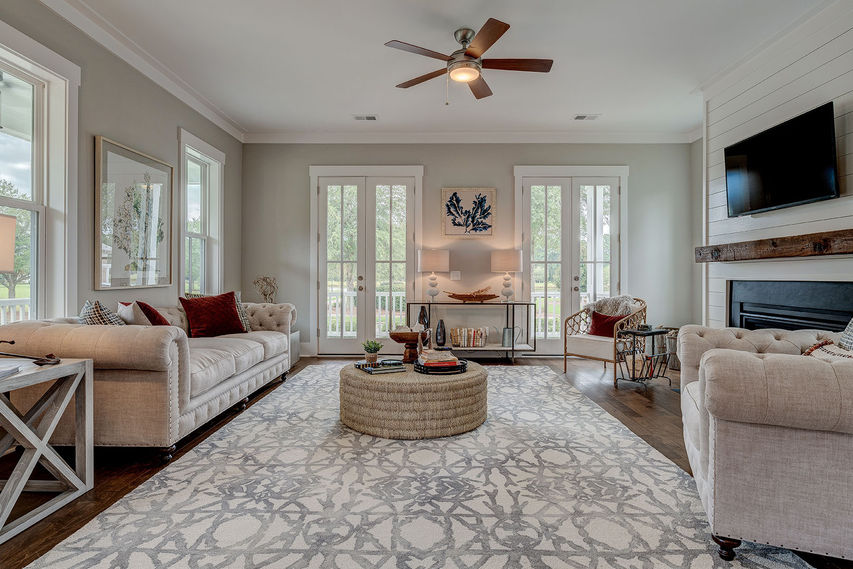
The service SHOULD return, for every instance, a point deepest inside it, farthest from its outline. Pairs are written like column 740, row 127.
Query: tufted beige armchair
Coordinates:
column 769, row 435
column 577, row 341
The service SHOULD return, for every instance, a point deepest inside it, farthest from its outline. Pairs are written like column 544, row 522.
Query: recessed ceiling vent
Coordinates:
column 365, row 117
column 587, row 117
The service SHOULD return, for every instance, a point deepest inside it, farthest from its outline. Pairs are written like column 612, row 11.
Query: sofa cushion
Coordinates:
column 208, row 368
column 690, row 415
column 602, row 324
column 246, row 353
column 274, row 343
column 590, row 346
column 212, row 315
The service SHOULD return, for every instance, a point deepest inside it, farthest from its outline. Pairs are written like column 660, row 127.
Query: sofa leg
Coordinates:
column 166, row 454
column 241, row 405
column 727, row 546
column 283, row 377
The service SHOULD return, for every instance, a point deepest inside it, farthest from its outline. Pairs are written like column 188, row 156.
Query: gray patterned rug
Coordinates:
column 550, row 480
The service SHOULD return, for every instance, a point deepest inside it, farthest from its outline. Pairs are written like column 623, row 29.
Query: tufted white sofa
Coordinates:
column 769, row 435
column 154, row 385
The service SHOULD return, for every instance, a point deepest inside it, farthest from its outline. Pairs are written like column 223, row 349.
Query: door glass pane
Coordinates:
column 603, row 207
column 383, row 298
column 16, row 287
column 585, row 297
column 349, row 217
column 194, row 263
column 553, row 224
column 16, row 136
column 350, row 303
column 537, row 223
column 552, row 308
column 398, row 294
column 334, row 300
column 383, row 223
column 398, row 222
column 538, row 295
column 602, row 279
column 333, row 223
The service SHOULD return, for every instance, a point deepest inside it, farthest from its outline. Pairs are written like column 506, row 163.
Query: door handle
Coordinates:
column 576, row 289
column 360, row 287
column 576, row 278
column 361, row 278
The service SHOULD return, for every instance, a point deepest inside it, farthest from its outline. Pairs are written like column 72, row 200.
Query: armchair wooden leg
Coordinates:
column 615, row 377
column 727, row 546
column 565, row 363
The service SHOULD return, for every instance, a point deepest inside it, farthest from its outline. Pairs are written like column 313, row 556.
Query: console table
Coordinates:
column 509, row 322
column 72, row 378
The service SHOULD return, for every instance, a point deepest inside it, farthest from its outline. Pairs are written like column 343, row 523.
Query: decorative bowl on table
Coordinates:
column 471, row 297
column 410, row 341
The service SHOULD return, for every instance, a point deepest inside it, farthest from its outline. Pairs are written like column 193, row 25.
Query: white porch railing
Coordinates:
column 14, row 309
column 341, row 311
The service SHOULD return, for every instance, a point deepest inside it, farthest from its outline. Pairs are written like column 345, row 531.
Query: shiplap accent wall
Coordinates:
column 810, row 66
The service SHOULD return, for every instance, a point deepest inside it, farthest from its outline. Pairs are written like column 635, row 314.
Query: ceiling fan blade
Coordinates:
column 422, row 78
column 537, row 65
column 491, row 32
column 480, row 88
column 397, row 44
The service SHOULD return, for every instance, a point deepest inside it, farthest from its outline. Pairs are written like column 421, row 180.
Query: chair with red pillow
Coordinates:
column 594, row 332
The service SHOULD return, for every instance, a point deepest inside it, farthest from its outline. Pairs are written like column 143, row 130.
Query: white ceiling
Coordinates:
column 299, row 70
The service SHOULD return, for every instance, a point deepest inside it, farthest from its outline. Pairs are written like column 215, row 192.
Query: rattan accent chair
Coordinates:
column 577, row 341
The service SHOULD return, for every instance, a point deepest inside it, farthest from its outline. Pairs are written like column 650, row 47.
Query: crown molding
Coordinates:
column 472, row 137
column 79, row 14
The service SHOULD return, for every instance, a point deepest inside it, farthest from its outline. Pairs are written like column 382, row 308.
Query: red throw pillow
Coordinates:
column 212, row 315
column 150, row 313
column 602, row 324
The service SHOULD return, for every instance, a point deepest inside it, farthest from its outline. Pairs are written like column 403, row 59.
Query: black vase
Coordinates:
column 440, row 333
column 423, row 317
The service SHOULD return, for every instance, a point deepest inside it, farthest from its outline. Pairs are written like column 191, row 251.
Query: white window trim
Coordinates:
column 309, row 348
column 61, row 79
column 214, row 250
column 620, row 172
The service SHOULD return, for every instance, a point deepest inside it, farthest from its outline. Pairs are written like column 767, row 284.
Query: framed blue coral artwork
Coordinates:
column 468, row 212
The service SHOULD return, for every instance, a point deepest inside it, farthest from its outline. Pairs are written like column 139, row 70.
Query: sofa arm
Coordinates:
column 269, row 316
column 793, row 391
column 144, row 348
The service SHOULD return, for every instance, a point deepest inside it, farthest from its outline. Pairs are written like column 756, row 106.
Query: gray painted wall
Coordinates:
column 697, row 189
column 661, row 211
column 122, row 104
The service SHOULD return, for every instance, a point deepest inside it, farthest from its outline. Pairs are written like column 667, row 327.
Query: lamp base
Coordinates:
column 507, row 291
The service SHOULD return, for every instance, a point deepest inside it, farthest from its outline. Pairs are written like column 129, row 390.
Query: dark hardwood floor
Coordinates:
column 653, row 413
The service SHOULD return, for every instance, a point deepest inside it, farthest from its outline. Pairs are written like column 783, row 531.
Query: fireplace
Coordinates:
column 790, row 305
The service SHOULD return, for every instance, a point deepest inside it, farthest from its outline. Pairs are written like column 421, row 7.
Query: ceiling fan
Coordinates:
column 465, row 65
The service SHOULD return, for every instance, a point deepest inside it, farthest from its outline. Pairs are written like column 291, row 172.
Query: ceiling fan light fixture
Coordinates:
column 464, row 71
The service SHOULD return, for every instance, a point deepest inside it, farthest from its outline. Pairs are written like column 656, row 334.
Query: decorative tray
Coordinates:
column 462, row 367
column 470, row 297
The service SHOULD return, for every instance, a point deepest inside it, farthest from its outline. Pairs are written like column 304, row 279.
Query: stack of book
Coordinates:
column 382, row 366
column 469, row 337
column 436, row 359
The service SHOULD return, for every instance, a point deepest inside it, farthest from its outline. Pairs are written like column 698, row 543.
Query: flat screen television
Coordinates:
column 790, row 164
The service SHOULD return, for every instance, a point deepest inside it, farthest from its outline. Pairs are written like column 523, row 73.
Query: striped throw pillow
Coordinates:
column 96, row 314
column 846, row 340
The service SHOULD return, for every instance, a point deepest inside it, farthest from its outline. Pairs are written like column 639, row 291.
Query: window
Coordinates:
column 201, row 172
column 38, row 177
column 594, row 222
column 21, row 194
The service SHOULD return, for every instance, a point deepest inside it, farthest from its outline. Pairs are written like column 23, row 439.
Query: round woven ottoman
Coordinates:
column 412, row 405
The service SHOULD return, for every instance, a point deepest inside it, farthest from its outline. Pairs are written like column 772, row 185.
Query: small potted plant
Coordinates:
column 371, row 349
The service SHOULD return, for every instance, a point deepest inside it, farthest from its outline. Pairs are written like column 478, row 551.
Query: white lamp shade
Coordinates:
column 433, row 260
column 7, row 243
column 506, row 261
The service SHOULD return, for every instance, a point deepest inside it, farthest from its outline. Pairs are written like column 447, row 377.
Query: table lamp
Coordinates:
column 506, row 261
column 433, row 261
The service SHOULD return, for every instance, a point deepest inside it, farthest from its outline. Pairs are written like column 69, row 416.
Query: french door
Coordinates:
column 366, row 254
column 570, row 239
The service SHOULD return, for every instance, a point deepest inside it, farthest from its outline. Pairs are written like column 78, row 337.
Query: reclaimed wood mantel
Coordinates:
column 826, row 243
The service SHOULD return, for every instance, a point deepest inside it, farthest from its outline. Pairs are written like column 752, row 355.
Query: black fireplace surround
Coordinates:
column 790, row 305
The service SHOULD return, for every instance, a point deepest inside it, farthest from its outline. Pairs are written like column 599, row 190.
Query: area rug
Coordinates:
column 550, row 480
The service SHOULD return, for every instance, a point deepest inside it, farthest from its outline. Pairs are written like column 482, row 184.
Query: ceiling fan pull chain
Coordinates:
column 447, row 90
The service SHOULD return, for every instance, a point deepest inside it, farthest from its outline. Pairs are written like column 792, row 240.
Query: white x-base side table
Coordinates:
column 33, row 429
